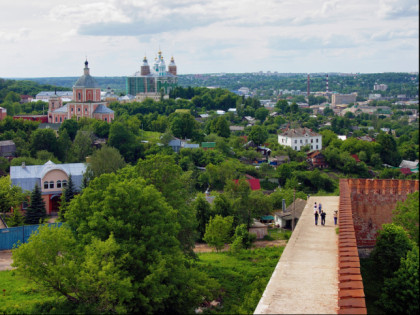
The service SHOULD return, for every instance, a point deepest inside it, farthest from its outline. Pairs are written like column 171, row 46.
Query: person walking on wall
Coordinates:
column 320, row 208
column 316, row 217
column 323, row 214
column 335, row 217
column 315, row 207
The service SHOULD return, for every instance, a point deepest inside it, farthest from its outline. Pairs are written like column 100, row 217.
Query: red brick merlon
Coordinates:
column 351, row 297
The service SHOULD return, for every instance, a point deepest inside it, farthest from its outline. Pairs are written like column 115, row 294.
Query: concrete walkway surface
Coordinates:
column 305, row 280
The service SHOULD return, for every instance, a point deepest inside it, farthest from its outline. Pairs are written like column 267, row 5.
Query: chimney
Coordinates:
column 284, row 205
column 23, row 165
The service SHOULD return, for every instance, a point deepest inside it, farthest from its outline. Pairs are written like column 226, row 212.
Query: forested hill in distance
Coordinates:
column 398, row 83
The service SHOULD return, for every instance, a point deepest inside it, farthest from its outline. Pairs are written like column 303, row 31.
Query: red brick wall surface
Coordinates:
column 372, row 203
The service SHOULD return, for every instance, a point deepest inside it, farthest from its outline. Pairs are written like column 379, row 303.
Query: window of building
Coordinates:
column 312, row 140
column 45, row 185
column 64, row 183
column 59, row 184
column 106, row 119
column 317, row 140
column 61, row 119
column 51, row 184
column 295, row 148
column 79, row 96
column 72, row 109
column 306, row 140
column 317, row 146
column 78, row 109
column 312, row 147
column 300, row 140
column 85, row 110
column 295, row 141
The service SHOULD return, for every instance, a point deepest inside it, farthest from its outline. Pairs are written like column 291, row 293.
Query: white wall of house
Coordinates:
column 296, row 143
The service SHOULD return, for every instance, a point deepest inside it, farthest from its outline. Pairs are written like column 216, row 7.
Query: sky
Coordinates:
column 52, row 38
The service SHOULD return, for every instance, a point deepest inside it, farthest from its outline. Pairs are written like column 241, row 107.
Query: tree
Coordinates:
column 167, row 177
column 222, row 205
column 406, row 214
column 10, row 196
column 400, row 293
column 258, row 134
column 242, row 238
column 261, row 113
column 43, row 139
column 63, row 143
column 71, row 126
column 145, row 227
column 36, row 211
column 82, row 145
column 121, row 138
column 67, row 195
column 91, row 277
column 218, row 231
column 202, row 212
column 184, row 126
column 221, row 127
column 105, row 160
column 389, row 153
column 392, row 244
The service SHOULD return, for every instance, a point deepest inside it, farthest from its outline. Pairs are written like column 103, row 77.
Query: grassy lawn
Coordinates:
column 19, row 296
column 151, row 136
column 243, row 277
column 279, row 234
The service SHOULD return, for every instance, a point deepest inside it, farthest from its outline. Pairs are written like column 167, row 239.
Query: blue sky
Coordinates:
column 52, row 37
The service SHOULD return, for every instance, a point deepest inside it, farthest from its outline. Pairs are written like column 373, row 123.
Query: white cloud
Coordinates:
column 396, row 9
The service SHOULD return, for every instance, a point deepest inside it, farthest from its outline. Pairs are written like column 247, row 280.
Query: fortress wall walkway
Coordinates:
column 305, row 280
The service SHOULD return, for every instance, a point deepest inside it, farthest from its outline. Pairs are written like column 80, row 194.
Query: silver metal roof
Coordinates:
column 27, row 176
column 102, row 109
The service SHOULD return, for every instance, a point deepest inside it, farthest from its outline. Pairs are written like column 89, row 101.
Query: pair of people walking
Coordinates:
column 319, row 213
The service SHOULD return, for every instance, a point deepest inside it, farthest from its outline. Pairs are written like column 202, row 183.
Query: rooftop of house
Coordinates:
column 299, row 132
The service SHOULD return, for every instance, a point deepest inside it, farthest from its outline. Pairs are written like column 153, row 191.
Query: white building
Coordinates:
column 298, row 138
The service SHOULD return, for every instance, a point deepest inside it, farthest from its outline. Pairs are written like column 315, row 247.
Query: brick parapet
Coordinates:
column 365, row 205
column 351, row 297
column 372, row 203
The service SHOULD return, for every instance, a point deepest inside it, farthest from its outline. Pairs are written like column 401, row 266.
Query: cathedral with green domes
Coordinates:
column 150, row 82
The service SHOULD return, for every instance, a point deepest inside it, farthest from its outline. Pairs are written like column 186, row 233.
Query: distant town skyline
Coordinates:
column 52, row 38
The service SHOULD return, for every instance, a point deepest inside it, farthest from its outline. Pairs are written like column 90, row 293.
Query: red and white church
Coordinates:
column 86, row 102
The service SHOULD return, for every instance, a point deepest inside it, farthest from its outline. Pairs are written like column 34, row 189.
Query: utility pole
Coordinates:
column 294, row 207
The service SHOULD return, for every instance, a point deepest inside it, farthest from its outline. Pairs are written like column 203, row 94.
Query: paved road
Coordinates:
column 305, row 280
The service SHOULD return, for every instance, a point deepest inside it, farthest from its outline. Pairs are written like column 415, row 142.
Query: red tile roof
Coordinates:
column 253, row 183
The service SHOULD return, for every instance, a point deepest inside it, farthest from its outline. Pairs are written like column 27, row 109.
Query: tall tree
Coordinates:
column 36, row 211
column 66, row 196
column 218, row 231
column 406, row 214
column 105, row 160
column 202, row 211
column 258, row 134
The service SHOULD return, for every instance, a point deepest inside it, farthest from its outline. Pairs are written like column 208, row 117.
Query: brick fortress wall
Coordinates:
column 372, row 203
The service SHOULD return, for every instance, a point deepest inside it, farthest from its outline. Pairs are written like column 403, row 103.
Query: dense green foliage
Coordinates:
column 118, row 251
column 218, row 231
column 242, row 276
column 390, row 275
column 406, row 214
